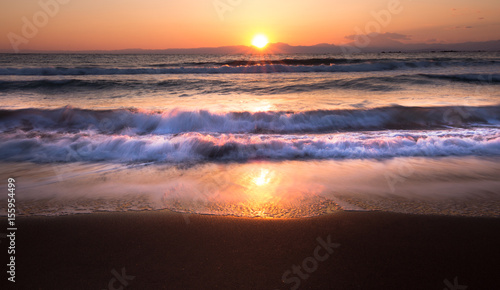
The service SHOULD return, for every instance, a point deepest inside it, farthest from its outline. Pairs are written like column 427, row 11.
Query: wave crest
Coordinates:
column 197, row 147
column 248, row 67
column 135, row 122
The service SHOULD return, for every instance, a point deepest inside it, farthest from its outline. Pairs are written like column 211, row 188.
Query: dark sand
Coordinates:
column 163, row 251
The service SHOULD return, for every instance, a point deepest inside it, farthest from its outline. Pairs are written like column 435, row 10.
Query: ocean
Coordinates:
column 271, row 136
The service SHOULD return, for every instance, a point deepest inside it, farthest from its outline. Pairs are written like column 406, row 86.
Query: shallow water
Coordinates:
column 257, row 136
column 261, row 188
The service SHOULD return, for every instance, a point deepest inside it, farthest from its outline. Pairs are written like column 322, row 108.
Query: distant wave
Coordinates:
column 475, row 78
column 225, row 86
column 291, row 61
column 202, row 86
column 134, row 122
column 197, row 147
column 50, row 84
column 252, row 68
column 285, row 61
column 328, row 61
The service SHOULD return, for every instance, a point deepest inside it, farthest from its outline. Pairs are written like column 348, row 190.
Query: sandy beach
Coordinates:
column 263, row 145
column 344, row 250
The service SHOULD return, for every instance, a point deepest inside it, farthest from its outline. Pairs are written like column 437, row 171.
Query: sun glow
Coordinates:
column 260, row 41
column 263, row 178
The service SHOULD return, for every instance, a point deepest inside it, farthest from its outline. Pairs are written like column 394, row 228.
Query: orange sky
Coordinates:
column 160, row 24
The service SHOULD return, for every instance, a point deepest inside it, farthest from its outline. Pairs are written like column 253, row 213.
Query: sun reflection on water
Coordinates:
column 252, row 190
column 263, row 178
column 260, row 185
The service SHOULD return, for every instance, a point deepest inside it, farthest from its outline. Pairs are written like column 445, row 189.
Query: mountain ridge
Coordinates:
column 373, row 44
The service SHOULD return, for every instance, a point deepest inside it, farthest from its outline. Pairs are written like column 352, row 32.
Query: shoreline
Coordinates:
column 166, row 250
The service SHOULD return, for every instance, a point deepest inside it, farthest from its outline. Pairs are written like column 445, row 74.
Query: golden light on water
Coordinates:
column 256, row 105
column 263, row 178
column 260, row 185
column 258, row 189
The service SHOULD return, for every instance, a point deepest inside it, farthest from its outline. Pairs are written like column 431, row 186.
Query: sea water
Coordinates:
column 252, row 135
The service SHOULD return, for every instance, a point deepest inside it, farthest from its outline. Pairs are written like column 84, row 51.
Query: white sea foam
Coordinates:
column 197, row 147
column 133, row 122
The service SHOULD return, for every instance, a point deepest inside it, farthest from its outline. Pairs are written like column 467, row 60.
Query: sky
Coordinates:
column 161, row 24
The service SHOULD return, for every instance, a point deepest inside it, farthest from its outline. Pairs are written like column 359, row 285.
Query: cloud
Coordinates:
column 464, row 11
column 387, row 35
column 459, row 27
column 396, row 36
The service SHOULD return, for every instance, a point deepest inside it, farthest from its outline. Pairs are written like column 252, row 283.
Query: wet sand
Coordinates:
column 165, row 250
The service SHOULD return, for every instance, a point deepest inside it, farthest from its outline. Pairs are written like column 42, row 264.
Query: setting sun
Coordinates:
column 260, row 41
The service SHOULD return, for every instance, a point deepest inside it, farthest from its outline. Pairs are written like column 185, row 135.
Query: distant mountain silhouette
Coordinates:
column 361, row 43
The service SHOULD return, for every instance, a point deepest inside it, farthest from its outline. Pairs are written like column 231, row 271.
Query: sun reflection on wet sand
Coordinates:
column 260, row 191
column 457, row 186
column 253, row 190
column 263, row 178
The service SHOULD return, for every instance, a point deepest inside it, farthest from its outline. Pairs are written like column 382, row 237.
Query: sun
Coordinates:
column 260, row 41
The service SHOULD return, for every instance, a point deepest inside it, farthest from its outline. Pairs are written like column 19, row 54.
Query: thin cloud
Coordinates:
column 387, row 35
column 459, row 27
column 464, row 11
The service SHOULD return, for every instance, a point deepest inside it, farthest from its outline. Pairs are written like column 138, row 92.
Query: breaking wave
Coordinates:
column 141, row 122
column 197, row 147
column 223, row 86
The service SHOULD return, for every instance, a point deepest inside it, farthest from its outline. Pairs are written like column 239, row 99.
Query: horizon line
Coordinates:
column 263, row 51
